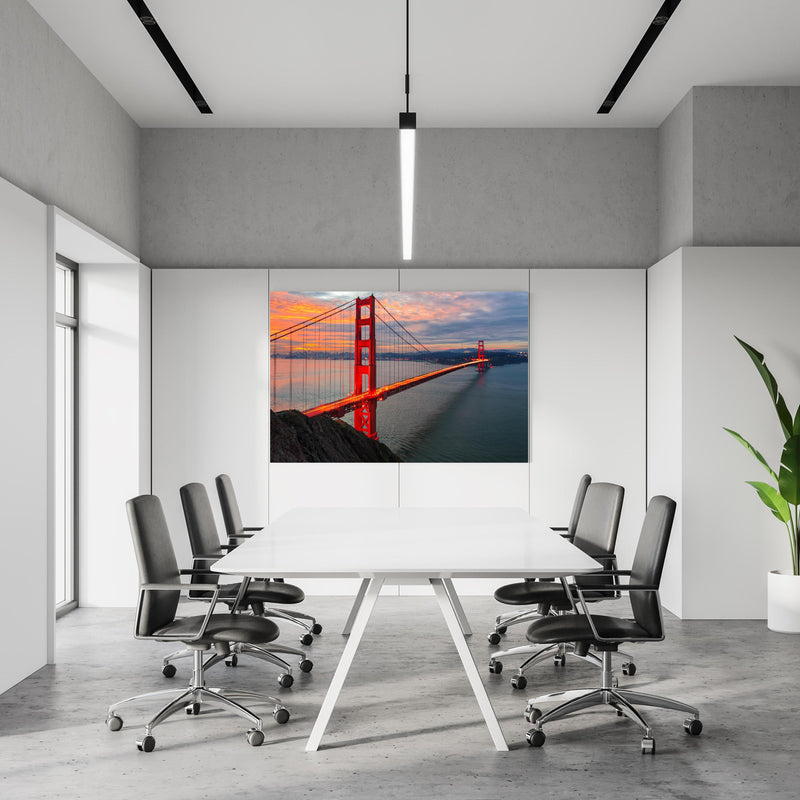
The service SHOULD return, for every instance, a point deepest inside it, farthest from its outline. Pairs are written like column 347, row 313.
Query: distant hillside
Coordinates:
column 296, row 437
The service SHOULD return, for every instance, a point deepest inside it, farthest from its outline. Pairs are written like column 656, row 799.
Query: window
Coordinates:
column 66, row 595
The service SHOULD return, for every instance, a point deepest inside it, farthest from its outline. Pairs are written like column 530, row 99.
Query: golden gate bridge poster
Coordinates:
column 399, row 376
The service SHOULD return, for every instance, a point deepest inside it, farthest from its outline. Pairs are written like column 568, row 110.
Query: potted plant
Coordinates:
column 782, row 499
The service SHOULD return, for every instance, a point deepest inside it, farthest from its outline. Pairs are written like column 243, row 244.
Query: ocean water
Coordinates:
column 465, row 416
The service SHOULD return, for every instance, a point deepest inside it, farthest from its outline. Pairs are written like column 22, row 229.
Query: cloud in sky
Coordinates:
column 440, row 320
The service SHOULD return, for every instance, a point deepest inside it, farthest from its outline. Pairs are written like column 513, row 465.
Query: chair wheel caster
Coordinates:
column 629, row 668
column 692, row 726
column 532, row 713
column 306, row 639
column 495, row 667
column 285, row 680
column 649, row 745
column 614, row 682
column 146, row 744
column 114, row 722
column 281, row 716
column 502, row 629
column 306, row 665
column 232, row 661
column 535, row 737
column 169, row 670
column 193, row 709
column 255, row 738
column 494, row 637
column 560, row 660
column 316, row 628
column 519, row 681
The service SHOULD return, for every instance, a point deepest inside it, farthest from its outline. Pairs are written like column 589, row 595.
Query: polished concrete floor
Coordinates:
column 407, row 725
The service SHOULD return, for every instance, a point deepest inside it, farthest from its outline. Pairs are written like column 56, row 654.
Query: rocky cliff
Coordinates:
column 296, row 437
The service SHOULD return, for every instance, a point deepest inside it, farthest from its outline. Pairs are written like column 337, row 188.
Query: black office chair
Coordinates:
column 515, row 594
column 206, row 549
column 159, row 594
column 595, row 534
column 237, row 533
column 606, row 633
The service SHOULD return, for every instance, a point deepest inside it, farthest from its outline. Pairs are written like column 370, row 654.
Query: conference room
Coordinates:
column 219, row 297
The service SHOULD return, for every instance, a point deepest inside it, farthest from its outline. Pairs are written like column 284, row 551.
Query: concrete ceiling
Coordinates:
column 505, row 63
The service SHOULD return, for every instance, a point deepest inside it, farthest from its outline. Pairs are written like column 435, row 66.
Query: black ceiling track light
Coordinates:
column 157, row 35
column 650, row 35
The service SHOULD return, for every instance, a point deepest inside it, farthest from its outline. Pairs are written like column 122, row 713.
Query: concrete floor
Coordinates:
column 407, row 725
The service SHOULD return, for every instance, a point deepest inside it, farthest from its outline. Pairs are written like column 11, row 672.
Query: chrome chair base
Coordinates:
column 624, row 701
column 192, row 699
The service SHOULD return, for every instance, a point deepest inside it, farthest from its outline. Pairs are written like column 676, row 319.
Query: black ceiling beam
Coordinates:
column 650, row 35
column 162, row 43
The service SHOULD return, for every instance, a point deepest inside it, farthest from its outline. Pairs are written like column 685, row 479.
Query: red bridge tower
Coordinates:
column 364, row 379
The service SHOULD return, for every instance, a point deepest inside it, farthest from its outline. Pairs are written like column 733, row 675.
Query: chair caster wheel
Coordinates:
column 560, row 660
column 169, row 670
column 316, row 629
column 614, row 682
column 535, row 737
column 146, row 744
column 114, row 722
column 255, row 738
column 281, row 716
column 306, row 665
column 306, row 639
column 495, row 667
column 502, row 629
column 519, row 681
column 193, row 709
column 232, row 661
column 692, row 726
column 629, row 668
column 532, row 713
column 649, row 745
column 494, row 637
column 285, row 680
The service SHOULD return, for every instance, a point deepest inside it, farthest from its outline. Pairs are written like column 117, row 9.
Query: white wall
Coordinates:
column 588, row 391
column 210, row 389
column 25, row 328
column 210, row 397
column 705, row 296
column 665, row 409
column 113, row 429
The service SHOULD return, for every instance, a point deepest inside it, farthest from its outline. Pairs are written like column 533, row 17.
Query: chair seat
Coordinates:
column 267, row 592
column 552, row 593
column 223, row 628
column 576, row 628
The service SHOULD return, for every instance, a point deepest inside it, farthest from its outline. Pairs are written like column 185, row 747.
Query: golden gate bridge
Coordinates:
column 330, row 362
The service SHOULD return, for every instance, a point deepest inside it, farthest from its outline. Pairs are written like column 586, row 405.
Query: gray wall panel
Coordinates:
column 63, row 138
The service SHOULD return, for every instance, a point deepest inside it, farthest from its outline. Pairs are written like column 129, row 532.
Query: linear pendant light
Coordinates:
column 408, row 131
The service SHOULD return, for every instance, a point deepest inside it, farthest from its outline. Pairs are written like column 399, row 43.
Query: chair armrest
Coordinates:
column 624, row 588
column 179, row 587
column 196, row 571
column 254, row 529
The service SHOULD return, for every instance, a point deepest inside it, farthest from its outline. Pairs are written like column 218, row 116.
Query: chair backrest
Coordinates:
column 648, row 562
column 598, row 523
column 229, row 506
column 583, row 485
column 155, row 557
column 203, row 535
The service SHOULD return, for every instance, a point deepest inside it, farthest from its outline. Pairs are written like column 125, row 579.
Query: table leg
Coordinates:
column 450, row 615
column 372, row 588
column 362, row 590
column 457, row 607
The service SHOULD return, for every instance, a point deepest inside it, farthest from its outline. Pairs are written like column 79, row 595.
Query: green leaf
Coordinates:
column 796, row 426
column 784, row 417
column 772, row 500
column 755, row 452
column 789, row 475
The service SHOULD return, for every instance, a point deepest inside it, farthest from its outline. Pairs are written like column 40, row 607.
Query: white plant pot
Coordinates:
column 783, row 601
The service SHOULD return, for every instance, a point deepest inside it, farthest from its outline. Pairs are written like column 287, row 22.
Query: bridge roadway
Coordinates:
column 341, row 407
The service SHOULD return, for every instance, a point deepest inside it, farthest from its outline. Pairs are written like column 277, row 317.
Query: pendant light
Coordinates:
column 408, row 130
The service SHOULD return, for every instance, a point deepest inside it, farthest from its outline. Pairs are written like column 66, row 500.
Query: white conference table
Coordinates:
column 406, row 546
